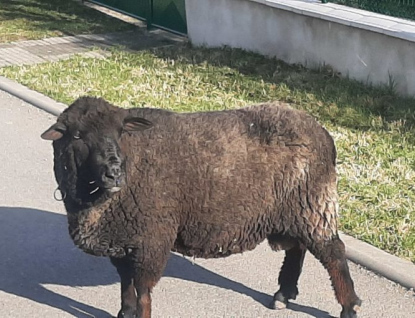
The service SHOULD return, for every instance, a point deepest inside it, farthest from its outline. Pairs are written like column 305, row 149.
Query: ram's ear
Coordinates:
column 136, row 124
column 54, row 132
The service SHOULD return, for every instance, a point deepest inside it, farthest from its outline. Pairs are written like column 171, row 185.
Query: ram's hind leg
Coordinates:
column 332, row 255
column 290, row 270
column 128, row 297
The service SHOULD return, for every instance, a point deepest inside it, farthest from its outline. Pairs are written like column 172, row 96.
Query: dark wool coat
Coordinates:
column 215, row 183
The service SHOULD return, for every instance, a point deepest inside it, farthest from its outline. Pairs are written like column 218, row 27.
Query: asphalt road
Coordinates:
column 42, row 274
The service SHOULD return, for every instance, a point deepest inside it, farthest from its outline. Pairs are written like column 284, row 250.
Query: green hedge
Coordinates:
column 396, row 8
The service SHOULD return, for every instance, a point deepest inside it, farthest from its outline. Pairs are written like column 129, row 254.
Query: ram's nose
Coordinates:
column 113, row 173
column 113, row 177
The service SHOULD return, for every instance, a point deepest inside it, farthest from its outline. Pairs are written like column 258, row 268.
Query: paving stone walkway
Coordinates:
column 58, row 48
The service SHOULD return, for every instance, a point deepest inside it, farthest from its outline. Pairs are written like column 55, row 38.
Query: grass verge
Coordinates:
column 373, row 128
column 37, row 19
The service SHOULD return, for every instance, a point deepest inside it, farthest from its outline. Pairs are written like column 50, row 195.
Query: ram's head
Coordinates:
column 88, row 160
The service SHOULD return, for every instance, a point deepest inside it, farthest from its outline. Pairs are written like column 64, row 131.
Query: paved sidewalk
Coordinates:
column 58, row 48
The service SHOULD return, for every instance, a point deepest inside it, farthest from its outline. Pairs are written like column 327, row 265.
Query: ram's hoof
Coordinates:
column 351, row 312
column 278, row 305
column 279, row 302
column 127, row 314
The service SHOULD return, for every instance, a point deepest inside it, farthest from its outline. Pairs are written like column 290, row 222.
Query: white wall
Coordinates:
column 296, row 38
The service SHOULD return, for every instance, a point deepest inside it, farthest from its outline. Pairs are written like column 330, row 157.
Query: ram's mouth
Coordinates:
column 112, row 190
column 114, row 185
column 95, row 189
column 106, row 184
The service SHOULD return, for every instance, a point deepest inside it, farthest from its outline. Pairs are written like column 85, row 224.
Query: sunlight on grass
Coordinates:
column 37, row 19
column 373, row 128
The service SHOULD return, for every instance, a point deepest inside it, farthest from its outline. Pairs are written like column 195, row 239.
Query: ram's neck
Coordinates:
column 86, row 228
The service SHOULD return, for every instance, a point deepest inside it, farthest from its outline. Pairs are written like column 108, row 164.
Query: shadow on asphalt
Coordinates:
column 179, row 267
column 36, row 251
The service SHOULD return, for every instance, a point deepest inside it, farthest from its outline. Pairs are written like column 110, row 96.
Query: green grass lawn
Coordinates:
column 37, row 19
column 373, row 128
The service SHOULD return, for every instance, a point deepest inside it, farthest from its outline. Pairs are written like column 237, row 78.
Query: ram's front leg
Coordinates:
column 125, row 268
column 148, row 269
column 143, row 288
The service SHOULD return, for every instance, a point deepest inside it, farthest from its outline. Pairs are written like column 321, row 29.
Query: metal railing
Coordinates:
column 396, row 8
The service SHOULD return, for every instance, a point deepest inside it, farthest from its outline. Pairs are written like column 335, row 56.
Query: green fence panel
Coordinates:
column 170, row 14
column 397, row 8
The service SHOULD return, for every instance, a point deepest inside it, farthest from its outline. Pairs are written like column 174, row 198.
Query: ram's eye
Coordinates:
column 77, row 135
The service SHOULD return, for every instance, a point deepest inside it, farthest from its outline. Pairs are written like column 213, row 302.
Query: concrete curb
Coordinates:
column 374, row 259
column 32, row 97
column 389, row 266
